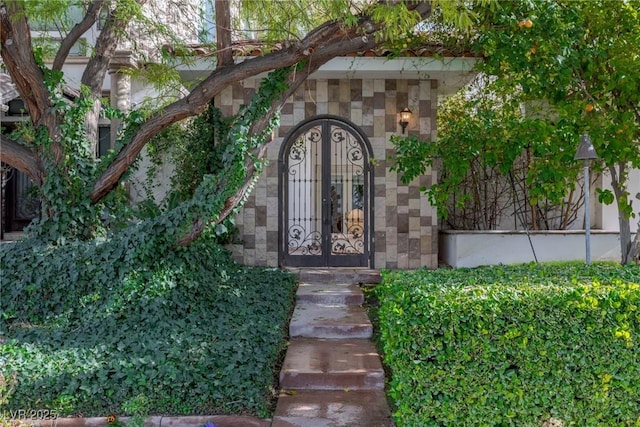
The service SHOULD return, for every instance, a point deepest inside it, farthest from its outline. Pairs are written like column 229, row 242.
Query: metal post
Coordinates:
column 587, row 213
column 586, row 152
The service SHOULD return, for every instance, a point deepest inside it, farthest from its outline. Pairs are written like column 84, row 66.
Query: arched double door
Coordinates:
column 326, row 195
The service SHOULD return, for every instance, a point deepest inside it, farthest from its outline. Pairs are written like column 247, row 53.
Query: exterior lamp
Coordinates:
column 405, row 116
column 586, row 152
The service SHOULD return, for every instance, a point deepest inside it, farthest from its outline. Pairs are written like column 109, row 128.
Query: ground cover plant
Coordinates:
column 513, row 345
column 87, row 331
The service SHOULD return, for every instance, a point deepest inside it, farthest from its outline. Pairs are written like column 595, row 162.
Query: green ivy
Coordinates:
column 65, row 210
column 127, row 321
column 226, row 147
column 89, row 332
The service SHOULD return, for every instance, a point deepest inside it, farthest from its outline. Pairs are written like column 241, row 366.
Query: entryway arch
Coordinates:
column 326, row 195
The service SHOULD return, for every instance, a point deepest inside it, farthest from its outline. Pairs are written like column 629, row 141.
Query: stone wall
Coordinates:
column 405, row 226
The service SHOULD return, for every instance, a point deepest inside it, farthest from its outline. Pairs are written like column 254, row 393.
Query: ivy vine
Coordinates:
column 212, row 168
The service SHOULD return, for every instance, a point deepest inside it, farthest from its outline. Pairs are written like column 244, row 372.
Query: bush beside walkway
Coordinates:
column 513, row 345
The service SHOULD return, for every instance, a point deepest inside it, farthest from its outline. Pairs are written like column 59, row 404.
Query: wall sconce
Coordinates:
column 405, row 116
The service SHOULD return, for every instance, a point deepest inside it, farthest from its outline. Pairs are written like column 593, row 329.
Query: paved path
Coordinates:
column 332, row 375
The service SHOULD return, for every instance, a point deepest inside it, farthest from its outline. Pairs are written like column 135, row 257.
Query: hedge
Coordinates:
column 513, row 345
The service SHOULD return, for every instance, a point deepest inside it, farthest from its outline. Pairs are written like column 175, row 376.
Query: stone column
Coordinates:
column 120, row 86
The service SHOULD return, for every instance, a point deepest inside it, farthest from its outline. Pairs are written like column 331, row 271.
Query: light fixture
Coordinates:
column 405, row 116
column 586, row 152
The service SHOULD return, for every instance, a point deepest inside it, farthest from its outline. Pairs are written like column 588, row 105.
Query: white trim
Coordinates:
column 452, row 73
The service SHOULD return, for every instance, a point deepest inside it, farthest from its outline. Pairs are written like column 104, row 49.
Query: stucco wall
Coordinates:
column 492, row 247
column 405, row 226
column 608, row 214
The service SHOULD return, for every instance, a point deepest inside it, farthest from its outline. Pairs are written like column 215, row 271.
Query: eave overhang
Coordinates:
column 452, row 73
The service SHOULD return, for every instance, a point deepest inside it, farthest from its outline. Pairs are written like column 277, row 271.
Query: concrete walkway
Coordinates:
column 332, row 375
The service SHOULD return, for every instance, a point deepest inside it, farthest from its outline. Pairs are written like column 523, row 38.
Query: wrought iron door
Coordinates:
column 326, row 200
column 18, row 207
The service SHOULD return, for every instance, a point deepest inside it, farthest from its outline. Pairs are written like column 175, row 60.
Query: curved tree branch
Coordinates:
column 21, row 158
column 90, row 18
column 325, row 42
column 17, row 54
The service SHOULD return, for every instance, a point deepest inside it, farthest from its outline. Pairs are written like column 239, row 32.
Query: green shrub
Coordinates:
column 513, row 346
column 188, row 332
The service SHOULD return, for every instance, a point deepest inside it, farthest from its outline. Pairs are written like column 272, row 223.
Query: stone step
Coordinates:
column 330, row 321
column 337, row 275
column 332, row 409
column 323, row 364
column 334, row 294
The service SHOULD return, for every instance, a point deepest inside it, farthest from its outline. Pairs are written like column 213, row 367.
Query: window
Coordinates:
column 63, row 22
column 208, row 25
column 16, row 108
column 52, row 44
column 104, row 140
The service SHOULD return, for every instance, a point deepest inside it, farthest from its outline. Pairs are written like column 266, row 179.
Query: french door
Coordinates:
column 325, row 188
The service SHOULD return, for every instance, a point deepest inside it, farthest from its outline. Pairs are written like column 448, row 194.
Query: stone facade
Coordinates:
column 405, row 225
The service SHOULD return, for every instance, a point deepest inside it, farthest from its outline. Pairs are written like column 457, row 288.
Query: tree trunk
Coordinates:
column 17, row 54
column 223, row 33
column 634, row 251
column 96, row 70
column 618, row 185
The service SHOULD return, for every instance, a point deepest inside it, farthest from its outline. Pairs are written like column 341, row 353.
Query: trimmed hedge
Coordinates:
column 187, row 333
column 513, row 345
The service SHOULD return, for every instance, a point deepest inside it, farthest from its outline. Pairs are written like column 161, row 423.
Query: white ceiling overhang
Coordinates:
column 452, row 73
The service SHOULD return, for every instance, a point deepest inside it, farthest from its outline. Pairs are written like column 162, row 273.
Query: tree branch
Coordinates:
column 330, row 40
column 90, row 18
column 15, row 39
column 17, row 54
column 21, row 158
column 96, row 70
column 106, row 44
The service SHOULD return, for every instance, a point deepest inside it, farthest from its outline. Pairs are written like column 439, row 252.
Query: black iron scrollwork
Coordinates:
column 303, row 236
column 325, row 196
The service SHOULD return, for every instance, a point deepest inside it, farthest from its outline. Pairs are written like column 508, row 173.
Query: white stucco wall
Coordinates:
column 476, row 248
column 158, row 188
column 609, row 213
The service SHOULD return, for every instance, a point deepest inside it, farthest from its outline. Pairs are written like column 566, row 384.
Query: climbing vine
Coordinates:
column 217, row 153
column 228, row 150
column 65, row 210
